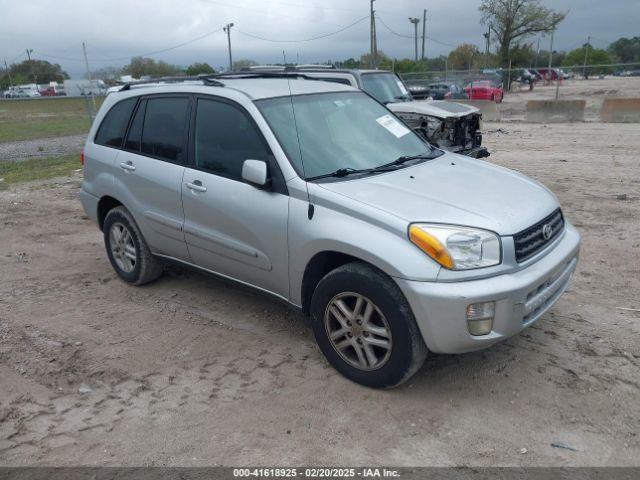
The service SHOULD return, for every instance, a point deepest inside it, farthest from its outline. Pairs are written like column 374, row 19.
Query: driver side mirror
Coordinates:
column 255, row 173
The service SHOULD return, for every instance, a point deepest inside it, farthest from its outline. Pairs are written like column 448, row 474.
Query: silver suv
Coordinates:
column 317, row 194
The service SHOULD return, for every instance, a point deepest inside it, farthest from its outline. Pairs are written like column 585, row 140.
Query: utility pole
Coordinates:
column 227, row 29
column 424, row 30
column 537, row 52
column 487, row 37
column 86, row 64
column 374, row 42
column 553, row 30
column 586, row 56
column 6, row 67
column 415, row 22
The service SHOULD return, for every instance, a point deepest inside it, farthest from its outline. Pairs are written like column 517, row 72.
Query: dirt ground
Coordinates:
column 192, row 370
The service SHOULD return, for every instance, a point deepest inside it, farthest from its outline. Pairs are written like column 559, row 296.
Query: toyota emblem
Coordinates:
column 546, row 231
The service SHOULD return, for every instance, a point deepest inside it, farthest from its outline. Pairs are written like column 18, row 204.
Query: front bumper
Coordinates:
column 521, row 298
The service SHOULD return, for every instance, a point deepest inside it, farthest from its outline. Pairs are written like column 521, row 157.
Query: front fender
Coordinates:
column 360, row 232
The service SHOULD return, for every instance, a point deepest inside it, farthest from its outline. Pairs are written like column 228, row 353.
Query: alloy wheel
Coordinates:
column 123, row 249
column 358, row 331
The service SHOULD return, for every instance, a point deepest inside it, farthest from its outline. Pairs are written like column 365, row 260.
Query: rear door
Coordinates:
column 231, row 227
column 150, row 168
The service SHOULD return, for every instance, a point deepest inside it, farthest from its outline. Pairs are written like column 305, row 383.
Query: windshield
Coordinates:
column 384, row 87
column 338, row 130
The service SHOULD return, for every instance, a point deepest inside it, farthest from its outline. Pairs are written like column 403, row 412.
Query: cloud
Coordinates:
column 124, row 28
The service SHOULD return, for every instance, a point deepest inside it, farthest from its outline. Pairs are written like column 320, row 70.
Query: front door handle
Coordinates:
column 196, row 186
column 127, row 166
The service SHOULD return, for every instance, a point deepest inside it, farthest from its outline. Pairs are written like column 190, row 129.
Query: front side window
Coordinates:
column 324, row 132
column 225, row 138
column 114, row 125
column 164, row 127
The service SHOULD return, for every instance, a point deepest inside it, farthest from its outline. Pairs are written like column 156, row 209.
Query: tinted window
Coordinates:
column 225, row 138
column 164, row 127
column 135, row 132
column 114, row 125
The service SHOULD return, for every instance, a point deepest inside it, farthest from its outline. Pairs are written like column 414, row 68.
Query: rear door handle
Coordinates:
column 196, row 186
column 127, row 166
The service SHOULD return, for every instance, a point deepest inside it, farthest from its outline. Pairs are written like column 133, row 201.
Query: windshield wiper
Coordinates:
column 343, row 172
column 407, row 158
column 404, row 98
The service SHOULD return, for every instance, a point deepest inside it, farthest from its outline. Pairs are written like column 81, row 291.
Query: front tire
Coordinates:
column 127, row 249
column 365, row 327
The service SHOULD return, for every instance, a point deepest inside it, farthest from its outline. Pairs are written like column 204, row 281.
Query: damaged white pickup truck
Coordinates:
column 448, row 125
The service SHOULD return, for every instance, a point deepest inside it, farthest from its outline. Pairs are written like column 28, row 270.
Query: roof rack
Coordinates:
column 213, row 79
column 207, row 79
column 262, row 74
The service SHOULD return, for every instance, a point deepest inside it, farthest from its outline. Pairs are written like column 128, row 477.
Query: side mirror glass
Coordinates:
column 255, row 172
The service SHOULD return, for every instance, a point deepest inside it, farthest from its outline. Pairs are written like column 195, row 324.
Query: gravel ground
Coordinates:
column 192, row 370
column 41, row 148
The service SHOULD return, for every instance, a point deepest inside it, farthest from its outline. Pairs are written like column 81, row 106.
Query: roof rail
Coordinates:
column 263, row 74
column 258, row 68
column 318, row 66
column 207, row 79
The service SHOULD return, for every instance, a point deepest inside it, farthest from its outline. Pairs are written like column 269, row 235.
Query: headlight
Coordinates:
column 457, row 248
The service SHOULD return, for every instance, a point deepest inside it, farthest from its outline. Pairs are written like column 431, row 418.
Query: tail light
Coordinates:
column 82, row 157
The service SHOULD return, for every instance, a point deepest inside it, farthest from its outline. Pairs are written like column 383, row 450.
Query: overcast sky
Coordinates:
column 116, row 29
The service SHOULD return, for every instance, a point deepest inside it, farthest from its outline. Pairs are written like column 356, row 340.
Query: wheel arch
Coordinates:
column 319, row 265
column 106, row 204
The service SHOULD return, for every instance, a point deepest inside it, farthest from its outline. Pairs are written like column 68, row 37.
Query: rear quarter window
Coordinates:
column 114, row 124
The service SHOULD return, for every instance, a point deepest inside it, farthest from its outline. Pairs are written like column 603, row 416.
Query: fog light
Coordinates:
column 480, row 318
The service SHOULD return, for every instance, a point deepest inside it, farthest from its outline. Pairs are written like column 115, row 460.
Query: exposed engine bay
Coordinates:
column 448, row 125
column 459, row 135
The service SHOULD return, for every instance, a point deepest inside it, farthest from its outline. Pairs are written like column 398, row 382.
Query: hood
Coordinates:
column 456, row 190
column 435, row 108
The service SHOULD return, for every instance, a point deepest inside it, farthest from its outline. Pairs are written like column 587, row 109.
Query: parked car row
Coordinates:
column 21, row 92
column 437, row 91
column 319, row 194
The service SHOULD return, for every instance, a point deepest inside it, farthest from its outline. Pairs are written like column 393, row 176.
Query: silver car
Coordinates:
column 317, row 194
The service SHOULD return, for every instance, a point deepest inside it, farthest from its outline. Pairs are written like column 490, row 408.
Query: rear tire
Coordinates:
column 127, row 249
column 365, row 327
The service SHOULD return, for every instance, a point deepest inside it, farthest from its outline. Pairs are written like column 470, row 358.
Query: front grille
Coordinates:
column 533, row 239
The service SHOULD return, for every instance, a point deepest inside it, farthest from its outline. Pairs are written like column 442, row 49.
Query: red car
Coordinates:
column 484, row 90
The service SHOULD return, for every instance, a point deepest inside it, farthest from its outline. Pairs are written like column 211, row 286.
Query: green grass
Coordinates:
column 38, row 169
column 43, row 117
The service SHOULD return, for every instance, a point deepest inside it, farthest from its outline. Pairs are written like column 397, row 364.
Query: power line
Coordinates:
column 318, row 37
column 411, row 36
column 128, row 57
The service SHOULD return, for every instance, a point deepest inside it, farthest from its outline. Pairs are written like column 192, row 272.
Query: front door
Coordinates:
column 231, row 227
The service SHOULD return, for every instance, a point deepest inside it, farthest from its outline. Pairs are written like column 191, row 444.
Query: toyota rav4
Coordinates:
column 317, row 194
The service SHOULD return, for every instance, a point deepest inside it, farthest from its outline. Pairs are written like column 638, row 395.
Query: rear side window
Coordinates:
column 134, row 139
column 114, row 125
column 225, row 138
column 164, row 127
